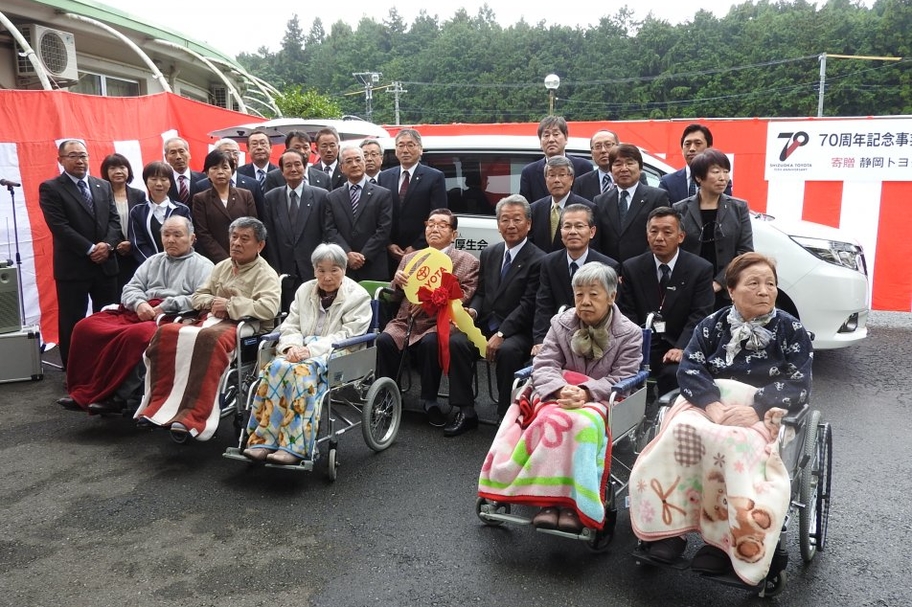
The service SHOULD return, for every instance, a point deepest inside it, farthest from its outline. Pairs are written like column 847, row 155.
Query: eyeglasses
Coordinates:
column 712, row 231
column 598, row 147
column 76, row 156
column 576, row 227
column 372, row 154
column 411, row 145
column 440, row 225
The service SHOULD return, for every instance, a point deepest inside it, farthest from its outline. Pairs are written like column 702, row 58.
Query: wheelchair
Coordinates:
column 353, row 398
column 805, row 446
column 626, row 415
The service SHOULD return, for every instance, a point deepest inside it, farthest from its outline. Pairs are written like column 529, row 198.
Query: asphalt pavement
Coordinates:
column 98, row 513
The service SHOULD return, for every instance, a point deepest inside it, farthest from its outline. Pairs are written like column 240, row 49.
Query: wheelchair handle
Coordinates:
column 354, row 341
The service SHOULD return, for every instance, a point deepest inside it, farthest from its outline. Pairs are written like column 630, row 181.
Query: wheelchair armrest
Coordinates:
column 795, row 419
column 669, row 397
column 354, row 341
column 524, row 373
column 274, row 336
column 629, row 384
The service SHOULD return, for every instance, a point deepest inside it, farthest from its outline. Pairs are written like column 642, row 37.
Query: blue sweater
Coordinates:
column 781, row 372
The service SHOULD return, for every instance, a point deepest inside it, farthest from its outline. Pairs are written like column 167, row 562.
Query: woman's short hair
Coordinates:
column 742, row 262
column 157, row 168
column 216, row 158
column 328, row 251
column 116, row 160
column 252, row 223
column 705, row 160
column 596, row 273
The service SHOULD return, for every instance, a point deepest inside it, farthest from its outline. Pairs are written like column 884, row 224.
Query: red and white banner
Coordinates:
column 31, row 125
column 870, row 209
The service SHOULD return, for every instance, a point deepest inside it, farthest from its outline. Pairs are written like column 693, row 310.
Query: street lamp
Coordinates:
column 552, row 81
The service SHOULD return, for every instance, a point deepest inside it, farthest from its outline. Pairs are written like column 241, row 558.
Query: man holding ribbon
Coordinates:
column 416, row 324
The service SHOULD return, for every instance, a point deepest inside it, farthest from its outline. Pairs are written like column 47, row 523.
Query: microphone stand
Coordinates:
column 44, row 346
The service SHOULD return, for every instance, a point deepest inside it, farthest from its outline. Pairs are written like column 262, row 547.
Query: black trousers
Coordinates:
column 424, row 351
column 665, row 374
column 512, row 356
column 73, row 300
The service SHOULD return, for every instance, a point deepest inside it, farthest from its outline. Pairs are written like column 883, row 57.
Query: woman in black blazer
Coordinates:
column 116, row 170
column 717, row 227
column 214, row 209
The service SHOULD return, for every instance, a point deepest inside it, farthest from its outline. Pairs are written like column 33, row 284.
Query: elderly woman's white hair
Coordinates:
column 596, row 273
column 331, row 252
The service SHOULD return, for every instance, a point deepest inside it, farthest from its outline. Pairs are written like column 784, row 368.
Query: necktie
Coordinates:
column 403, row 189
column 555, row 219
column 84, row 190
column 328, row 170
column 606, row 183
column 293, row 206
column 573, row 268
column 261, row 176
column 666, row 277
column 692, row 190
column 373, row 181
column 183, row 191
column 622, row 204
column 355, row 193
column 506, row 267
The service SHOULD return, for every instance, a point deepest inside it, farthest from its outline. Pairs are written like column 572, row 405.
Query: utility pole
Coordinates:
column 368, row 79
column 396, row 89
column 823, row 59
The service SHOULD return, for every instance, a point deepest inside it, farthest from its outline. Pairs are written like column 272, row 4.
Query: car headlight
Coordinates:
column 843, row 254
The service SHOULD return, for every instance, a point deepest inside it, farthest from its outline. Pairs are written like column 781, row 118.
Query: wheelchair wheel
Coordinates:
column 483, row 505
column 601, row 539
column 332, row 469
column 814, row 492
column 381, row 414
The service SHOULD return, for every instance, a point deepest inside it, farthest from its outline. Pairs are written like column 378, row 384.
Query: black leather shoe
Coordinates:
column 68, row 403
column 108, row 407
column 460, row 425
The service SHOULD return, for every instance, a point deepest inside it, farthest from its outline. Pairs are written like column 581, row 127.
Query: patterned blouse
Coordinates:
column 781, row 370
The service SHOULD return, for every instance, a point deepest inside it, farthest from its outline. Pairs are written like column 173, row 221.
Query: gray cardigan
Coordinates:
column 171, row 279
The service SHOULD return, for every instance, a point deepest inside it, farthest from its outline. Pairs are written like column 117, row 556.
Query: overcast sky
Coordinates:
column 235, row 26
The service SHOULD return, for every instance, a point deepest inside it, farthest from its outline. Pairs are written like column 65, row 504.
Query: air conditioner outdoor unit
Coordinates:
column 56, row 50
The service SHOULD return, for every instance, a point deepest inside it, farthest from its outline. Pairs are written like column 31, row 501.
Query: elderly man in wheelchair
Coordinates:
column 553, row 446
column 715, row 465
column 184, row 362
column 106, row 377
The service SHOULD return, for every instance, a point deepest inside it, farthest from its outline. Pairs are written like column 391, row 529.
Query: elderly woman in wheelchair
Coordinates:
column 715, row 467
column 553, row 445
column 285, row 413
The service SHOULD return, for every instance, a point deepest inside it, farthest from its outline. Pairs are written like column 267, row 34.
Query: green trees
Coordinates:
column 761, row 59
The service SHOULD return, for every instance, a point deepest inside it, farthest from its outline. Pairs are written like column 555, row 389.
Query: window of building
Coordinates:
column 106, row 86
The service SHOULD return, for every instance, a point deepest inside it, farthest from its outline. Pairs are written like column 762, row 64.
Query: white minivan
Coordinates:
column 822, row 274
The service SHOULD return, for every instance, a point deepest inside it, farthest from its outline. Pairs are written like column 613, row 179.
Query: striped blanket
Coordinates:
column 544, row 455
column 726, row 482
column 184, row 364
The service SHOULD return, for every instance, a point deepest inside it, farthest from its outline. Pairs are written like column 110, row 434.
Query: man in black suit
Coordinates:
column 552, row 135
column 672, row 284
column 327, row 141
column 417, row 190
column 695, row 140
column 546, row 234
column 259, row 149
column 600, row 180
column 502, row 307
column 373, row 159
column 577, row 232
column 300, row 141
column 293, row 217
column 185, row 183
column 230, row 146
column 80, row 213
column 623, row 210
column 359, row 217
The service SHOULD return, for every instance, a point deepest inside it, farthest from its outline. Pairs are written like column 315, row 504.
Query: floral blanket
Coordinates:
column 726, row 482
column 545, row 455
